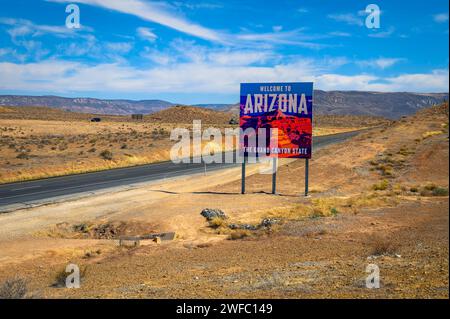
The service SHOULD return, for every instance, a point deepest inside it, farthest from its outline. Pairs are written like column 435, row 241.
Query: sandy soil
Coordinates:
column 321, row 247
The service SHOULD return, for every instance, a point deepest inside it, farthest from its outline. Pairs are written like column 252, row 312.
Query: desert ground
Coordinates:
column 38, row 142
column 379, row 198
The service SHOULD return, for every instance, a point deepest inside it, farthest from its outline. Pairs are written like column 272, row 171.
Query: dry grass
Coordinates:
column 239, row 234
column 431, row 133
column 333, row 206
column 381, row 186
column 217, row 222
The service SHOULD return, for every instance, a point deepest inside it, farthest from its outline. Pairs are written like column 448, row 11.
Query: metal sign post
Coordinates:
column 274, row 176
column 306, row 176
column 243, row 176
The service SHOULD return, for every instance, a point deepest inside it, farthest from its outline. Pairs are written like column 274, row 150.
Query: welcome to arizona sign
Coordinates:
column 286, row 107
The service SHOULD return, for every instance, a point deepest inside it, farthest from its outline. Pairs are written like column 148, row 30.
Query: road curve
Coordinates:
column 43, row 190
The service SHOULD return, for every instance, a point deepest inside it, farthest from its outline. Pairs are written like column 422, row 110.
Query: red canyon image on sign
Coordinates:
column 283, row 106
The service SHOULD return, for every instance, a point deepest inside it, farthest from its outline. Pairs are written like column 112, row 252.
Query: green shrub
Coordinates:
column 440, row 191
column 334, row 211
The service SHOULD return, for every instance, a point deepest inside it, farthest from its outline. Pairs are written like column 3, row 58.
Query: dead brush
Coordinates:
column 382, row 246
column 14, row 288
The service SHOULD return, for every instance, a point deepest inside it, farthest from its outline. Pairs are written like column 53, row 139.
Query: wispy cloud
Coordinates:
column 201, row 5
column 348, row 18
column 157, row 12
column 119, row 47
column 277, row 28
column 23, row 27
column 182, row 52
column 291, row 37
column 163, row 14
column 441, row 17
column 146, row 34
column 340, row 34
column 382, row 34
column 380, row 63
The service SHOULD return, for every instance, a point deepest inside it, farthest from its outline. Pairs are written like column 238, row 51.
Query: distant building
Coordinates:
column 138, row 117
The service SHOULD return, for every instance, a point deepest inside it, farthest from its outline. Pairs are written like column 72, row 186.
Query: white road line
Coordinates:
column 23, row 188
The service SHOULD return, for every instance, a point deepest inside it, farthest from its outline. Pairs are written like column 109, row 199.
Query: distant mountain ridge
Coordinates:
column 390, row 105
column 87, row 105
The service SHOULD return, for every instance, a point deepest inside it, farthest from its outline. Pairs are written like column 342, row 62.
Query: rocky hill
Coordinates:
column 87, row 105
column 187, row 114
column 388, row 105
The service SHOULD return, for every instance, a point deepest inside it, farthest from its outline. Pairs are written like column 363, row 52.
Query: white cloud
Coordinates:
column 181, row 51
column 25, row 32
column 340, row 34
column 441, row 17
column 164, row 14
column 22, row 27
column 5, row 51
column 157, row 56
column 348, row 18
column 380, row 63
column 201, row 5
column 277, row 28
column 119, row 47
column 155, row 12
column 292, row 37
column 436, row 81
column 383, row 34
column 201, row 76
column 229, row 57
column 147, row 34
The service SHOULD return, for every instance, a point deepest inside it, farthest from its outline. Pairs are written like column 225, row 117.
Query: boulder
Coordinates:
column 210, row 214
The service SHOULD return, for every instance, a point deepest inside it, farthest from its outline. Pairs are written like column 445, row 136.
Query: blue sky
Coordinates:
column 200, row 51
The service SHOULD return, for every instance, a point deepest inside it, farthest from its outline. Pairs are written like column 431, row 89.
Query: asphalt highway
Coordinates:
column 42, row 190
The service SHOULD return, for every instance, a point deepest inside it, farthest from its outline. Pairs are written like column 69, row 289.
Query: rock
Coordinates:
column 243, row 226
column 209, row 214
column 157, row 240
column 268, row 222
